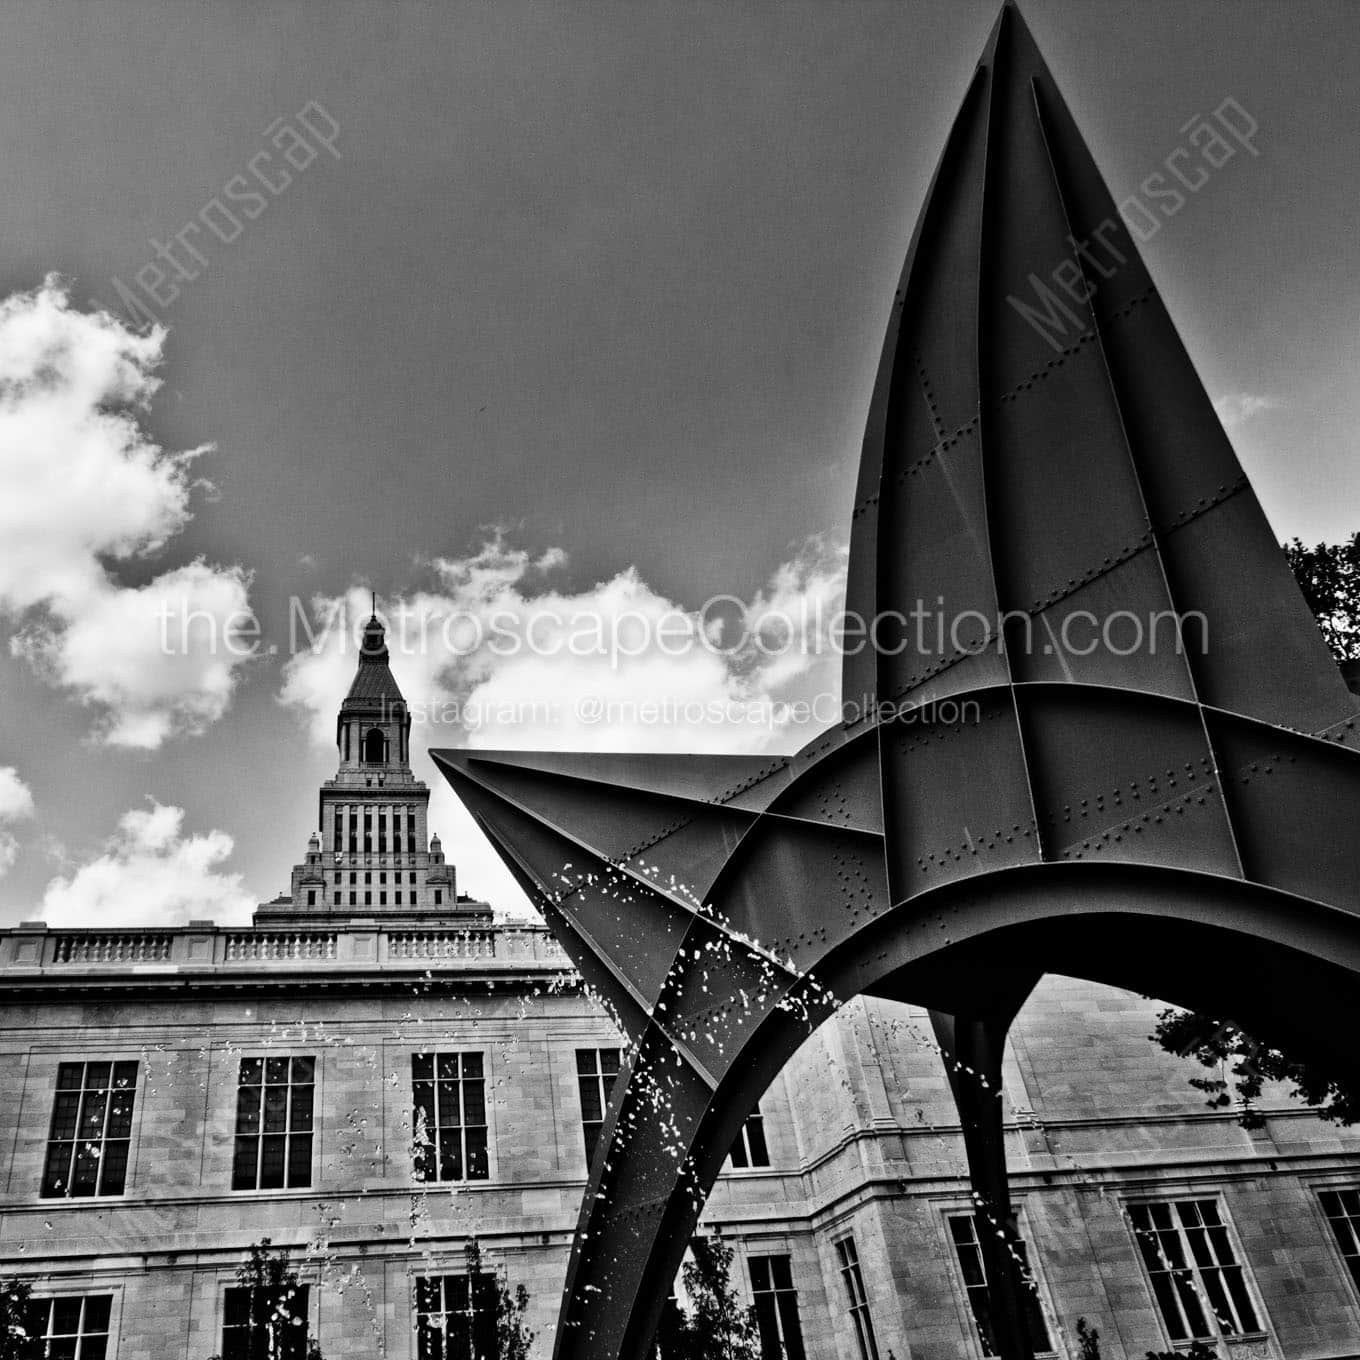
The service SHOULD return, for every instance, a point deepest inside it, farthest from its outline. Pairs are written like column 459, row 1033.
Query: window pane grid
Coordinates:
column 857, row 1298
column 1342, row 1208
column 274, row 1108
column 776, row 1305
column 449, row 1099
column 71, row 1328
column 1200, row 1287
column 87, row 1146
column 750, row 1149
column 596, row 1071
column 456, row 1317
column 964, row 1228
column 265, row 1321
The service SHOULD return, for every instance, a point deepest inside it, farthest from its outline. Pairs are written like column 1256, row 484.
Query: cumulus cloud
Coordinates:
column 16, row 799
column 1236, row 408
column 16, row 803
column 497, row 653
column 86, row 487
column 152, row 874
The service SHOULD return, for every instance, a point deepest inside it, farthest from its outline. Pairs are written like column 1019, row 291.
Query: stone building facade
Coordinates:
column 371, row 1083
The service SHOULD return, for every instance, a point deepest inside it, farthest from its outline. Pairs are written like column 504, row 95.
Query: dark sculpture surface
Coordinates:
column 1178, row 819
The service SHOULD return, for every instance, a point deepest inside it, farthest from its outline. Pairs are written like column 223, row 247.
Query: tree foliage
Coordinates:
column 1088, row 1339
column 17, row 1341
column 1198, row 1350
column 1329, row 576
column 1243, row 1064
column 717, row 1325
column 513, row 1335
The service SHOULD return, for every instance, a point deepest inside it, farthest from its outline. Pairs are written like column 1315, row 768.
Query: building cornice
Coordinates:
column 317, row 958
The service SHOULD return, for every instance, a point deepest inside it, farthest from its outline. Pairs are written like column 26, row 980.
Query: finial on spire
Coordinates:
column 374, row 644
column 374, row 595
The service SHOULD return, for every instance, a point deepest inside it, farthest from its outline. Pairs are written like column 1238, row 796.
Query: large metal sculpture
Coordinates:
column 1176, row 816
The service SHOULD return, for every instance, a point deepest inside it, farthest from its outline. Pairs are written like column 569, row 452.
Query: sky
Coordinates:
column 527, row 307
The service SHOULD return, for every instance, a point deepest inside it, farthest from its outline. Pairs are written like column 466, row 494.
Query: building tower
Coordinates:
column 373, row 855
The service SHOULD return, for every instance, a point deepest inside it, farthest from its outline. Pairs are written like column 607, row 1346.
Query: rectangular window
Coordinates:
column 274, row 1124
column 411, row 830
column 382, row 899
column 857, row 1300
column 963, row 1228
column 456, row 1317
column 311, row 897
column 353, row 831
column 776, row 1302
column 750, row 1149
column 1342, row 1208
column 87, row 1147
column 596, row 1069
column 398, row 895
column 259, row 1322
column 71, row 1328
column 382, row 831
column 1200, row 1288
column 352, row 896
column 337, row 899
column 449, row 1091
column 337, row 832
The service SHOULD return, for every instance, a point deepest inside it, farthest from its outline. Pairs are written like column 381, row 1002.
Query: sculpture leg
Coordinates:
column 975, row 1046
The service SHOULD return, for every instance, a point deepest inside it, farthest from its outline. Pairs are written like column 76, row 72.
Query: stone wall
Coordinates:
column 860, row 1128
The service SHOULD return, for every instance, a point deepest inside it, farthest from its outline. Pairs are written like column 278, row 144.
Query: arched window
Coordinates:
column 375, row 744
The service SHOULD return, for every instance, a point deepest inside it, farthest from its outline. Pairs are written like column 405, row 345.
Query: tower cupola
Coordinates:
column 373, row 730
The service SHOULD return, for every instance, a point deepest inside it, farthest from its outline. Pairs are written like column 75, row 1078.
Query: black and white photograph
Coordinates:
column 680, row 680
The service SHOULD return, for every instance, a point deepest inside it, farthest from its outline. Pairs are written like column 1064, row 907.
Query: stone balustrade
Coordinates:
column 255, row 946
column 108, row 947
column 441, row 944
column 33, row 948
